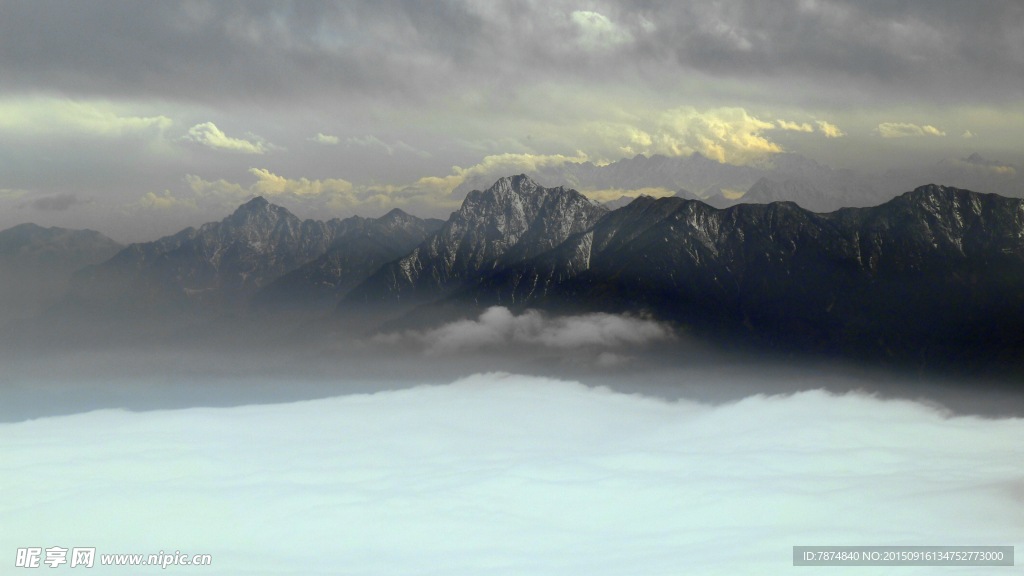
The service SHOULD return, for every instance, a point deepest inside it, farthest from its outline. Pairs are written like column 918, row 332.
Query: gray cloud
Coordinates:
column 56, row 203
column 201, row 51
column 116, row 100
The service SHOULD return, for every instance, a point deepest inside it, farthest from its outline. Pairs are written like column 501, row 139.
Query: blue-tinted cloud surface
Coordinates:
column 504, row 474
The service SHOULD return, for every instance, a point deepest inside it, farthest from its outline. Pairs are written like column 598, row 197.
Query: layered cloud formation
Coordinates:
column 115, row 101
column 511, row 475
column 210, row 52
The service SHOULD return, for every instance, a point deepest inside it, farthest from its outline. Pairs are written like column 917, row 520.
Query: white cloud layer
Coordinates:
column 506, row 475
column 730, row 135
column 498, row 328
column 209, row 135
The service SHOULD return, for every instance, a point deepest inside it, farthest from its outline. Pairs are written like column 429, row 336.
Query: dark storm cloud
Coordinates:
column 266, row 51
column 56, row 203
column 203, row 51
column 880, row 40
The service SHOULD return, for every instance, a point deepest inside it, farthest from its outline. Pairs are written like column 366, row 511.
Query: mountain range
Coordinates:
column 937, row 268
column 934, row 274
column 224, row 265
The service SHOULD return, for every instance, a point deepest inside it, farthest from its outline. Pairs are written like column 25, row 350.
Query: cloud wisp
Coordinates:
column 153, row 201
column 797, row 127
column 597, row 32
column 830, row 130
column 905, row 130
column 326, row 139
column 48, row 116
column 534, row 475
column 210, row 136
column 498, row 329
column 371, row 141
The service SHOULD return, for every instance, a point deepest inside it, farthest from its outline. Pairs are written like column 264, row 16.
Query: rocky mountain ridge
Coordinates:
column 936, row 267
column 510, row 221
column 220, row 265
column 932, row 273
column 360, row 247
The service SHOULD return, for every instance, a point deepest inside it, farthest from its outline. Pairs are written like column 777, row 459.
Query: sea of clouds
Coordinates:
column 504, row 474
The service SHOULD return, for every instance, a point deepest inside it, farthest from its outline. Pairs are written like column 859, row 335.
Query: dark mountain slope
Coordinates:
column 361, row 246
column 937, row 271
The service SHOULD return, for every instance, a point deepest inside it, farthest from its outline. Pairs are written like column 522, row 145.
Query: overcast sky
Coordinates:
column 137, row 118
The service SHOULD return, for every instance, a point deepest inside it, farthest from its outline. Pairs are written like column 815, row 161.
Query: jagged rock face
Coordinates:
column 511, row 221
column 361, row 246
column 220, row 264
column 931, row 267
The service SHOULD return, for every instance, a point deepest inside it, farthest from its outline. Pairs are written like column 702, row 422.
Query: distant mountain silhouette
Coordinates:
column 36, row 264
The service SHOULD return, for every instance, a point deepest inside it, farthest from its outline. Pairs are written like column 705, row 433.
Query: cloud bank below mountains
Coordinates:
column 509, row 475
